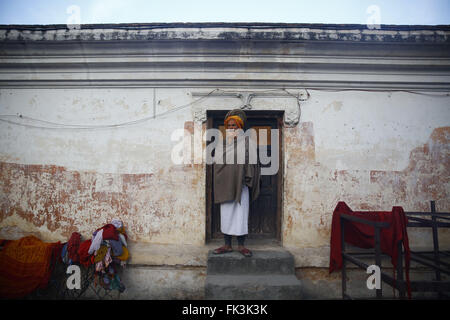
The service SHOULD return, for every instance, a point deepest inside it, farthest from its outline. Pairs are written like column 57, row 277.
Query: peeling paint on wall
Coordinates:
column 312, row 189
column 167, row 206
column 87, row 178
column 56, row 202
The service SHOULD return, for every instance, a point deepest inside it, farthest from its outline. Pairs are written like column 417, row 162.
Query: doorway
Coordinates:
column 265, row 212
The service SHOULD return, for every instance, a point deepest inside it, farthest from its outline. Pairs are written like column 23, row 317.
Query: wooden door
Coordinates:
column 264, row 215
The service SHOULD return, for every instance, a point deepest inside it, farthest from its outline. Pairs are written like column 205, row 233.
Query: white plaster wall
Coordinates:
column 343, row 139
column 372, row 130
column 352, row 131
column 125, row 149
column 164, row 208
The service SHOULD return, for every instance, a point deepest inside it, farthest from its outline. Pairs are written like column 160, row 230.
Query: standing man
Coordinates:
column 235, row 185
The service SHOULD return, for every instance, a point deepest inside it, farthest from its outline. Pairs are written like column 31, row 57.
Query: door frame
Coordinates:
column 278, row 115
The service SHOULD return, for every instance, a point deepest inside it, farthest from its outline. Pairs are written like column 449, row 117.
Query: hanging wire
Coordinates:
column 438, row 95
column 90, row 127
column 298, row 98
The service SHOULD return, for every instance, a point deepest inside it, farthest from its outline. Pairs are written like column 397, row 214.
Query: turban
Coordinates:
column 238, row 115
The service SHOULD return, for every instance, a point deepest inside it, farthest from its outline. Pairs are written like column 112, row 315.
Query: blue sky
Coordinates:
column 408, row 12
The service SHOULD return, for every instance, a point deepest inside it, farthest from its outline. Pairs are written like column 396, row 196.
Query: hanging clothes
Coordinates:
column 96, row 242
column 122, row 238
column 109, row 232
column 116, row 247
column 107, row 249
column 72, row 247
column 86, row 259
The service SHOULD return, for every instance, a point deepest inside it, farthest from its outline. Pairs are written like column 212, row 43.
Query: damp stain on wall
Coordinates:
column 168, row 205
column 312, row 189
column 56, row 202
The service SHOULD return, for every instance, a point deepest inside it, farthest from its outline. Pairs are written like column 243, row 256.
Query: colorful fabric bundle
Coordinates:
column 109, row 248
column 107, row 232
column 26, row 265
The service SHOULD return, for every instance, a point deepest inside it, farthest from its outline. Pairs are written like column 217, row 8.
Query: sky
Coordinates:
column 399, row 12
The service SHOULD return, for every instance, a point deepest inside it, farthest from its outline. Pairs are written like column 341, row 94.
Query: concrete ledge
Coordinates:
column 262, row 262
column 253, row 287
column 167, row 255
column 196, row 255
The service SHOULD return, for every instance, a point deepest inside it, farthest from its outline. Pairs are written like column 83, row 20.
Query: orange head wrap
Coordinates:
column 238, row 120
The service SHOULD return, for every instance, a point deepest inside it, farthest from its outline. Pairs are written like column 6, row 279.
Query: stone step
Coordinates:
column 262, row 262
column 252, row 287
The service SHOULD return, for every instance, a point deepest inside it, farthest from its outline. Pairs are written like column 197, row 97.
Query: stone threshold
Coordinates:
column 188, row 255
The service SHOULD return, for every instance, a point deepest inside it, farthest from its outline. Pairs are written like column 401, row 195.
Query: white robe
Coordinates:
column 234, row 216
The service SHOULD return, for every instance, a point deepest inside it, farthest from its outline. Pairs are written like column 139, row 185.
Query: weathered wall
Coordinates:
column 374, row 133
column 58, row 181
column 373, row 150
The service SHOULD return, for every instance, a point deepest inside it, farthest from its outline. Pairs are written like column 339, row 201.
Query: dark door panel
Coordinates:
column 263, row 212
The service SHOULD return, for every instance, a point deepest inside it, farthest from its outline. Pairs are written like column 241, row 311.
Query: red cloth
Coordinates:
column 72, row 247
column 363, row 236
column 109, row 232
column 26, row 265
column 86, row 259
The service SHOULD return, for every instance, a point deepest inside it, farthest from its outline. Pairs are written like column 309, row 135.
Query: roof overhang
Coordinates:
column 226, row 55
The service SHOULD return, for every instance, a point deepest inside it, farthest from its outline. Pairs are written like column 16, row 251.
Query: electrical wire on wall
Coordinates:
column 53, row 125
column 44, row 124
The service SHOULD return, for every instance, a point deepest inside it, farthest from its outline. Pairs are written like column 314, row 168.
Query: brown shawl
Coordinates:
column 229, row 178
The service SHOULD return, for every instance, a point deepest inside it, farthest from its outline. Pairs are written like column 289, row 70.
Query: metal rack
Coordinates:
column 436, row 260
column 57, row 288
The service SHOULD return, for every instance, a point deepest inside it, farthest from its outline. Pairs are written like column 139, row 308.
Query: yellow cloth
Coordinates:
column 124, row 255
column 101, row 253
